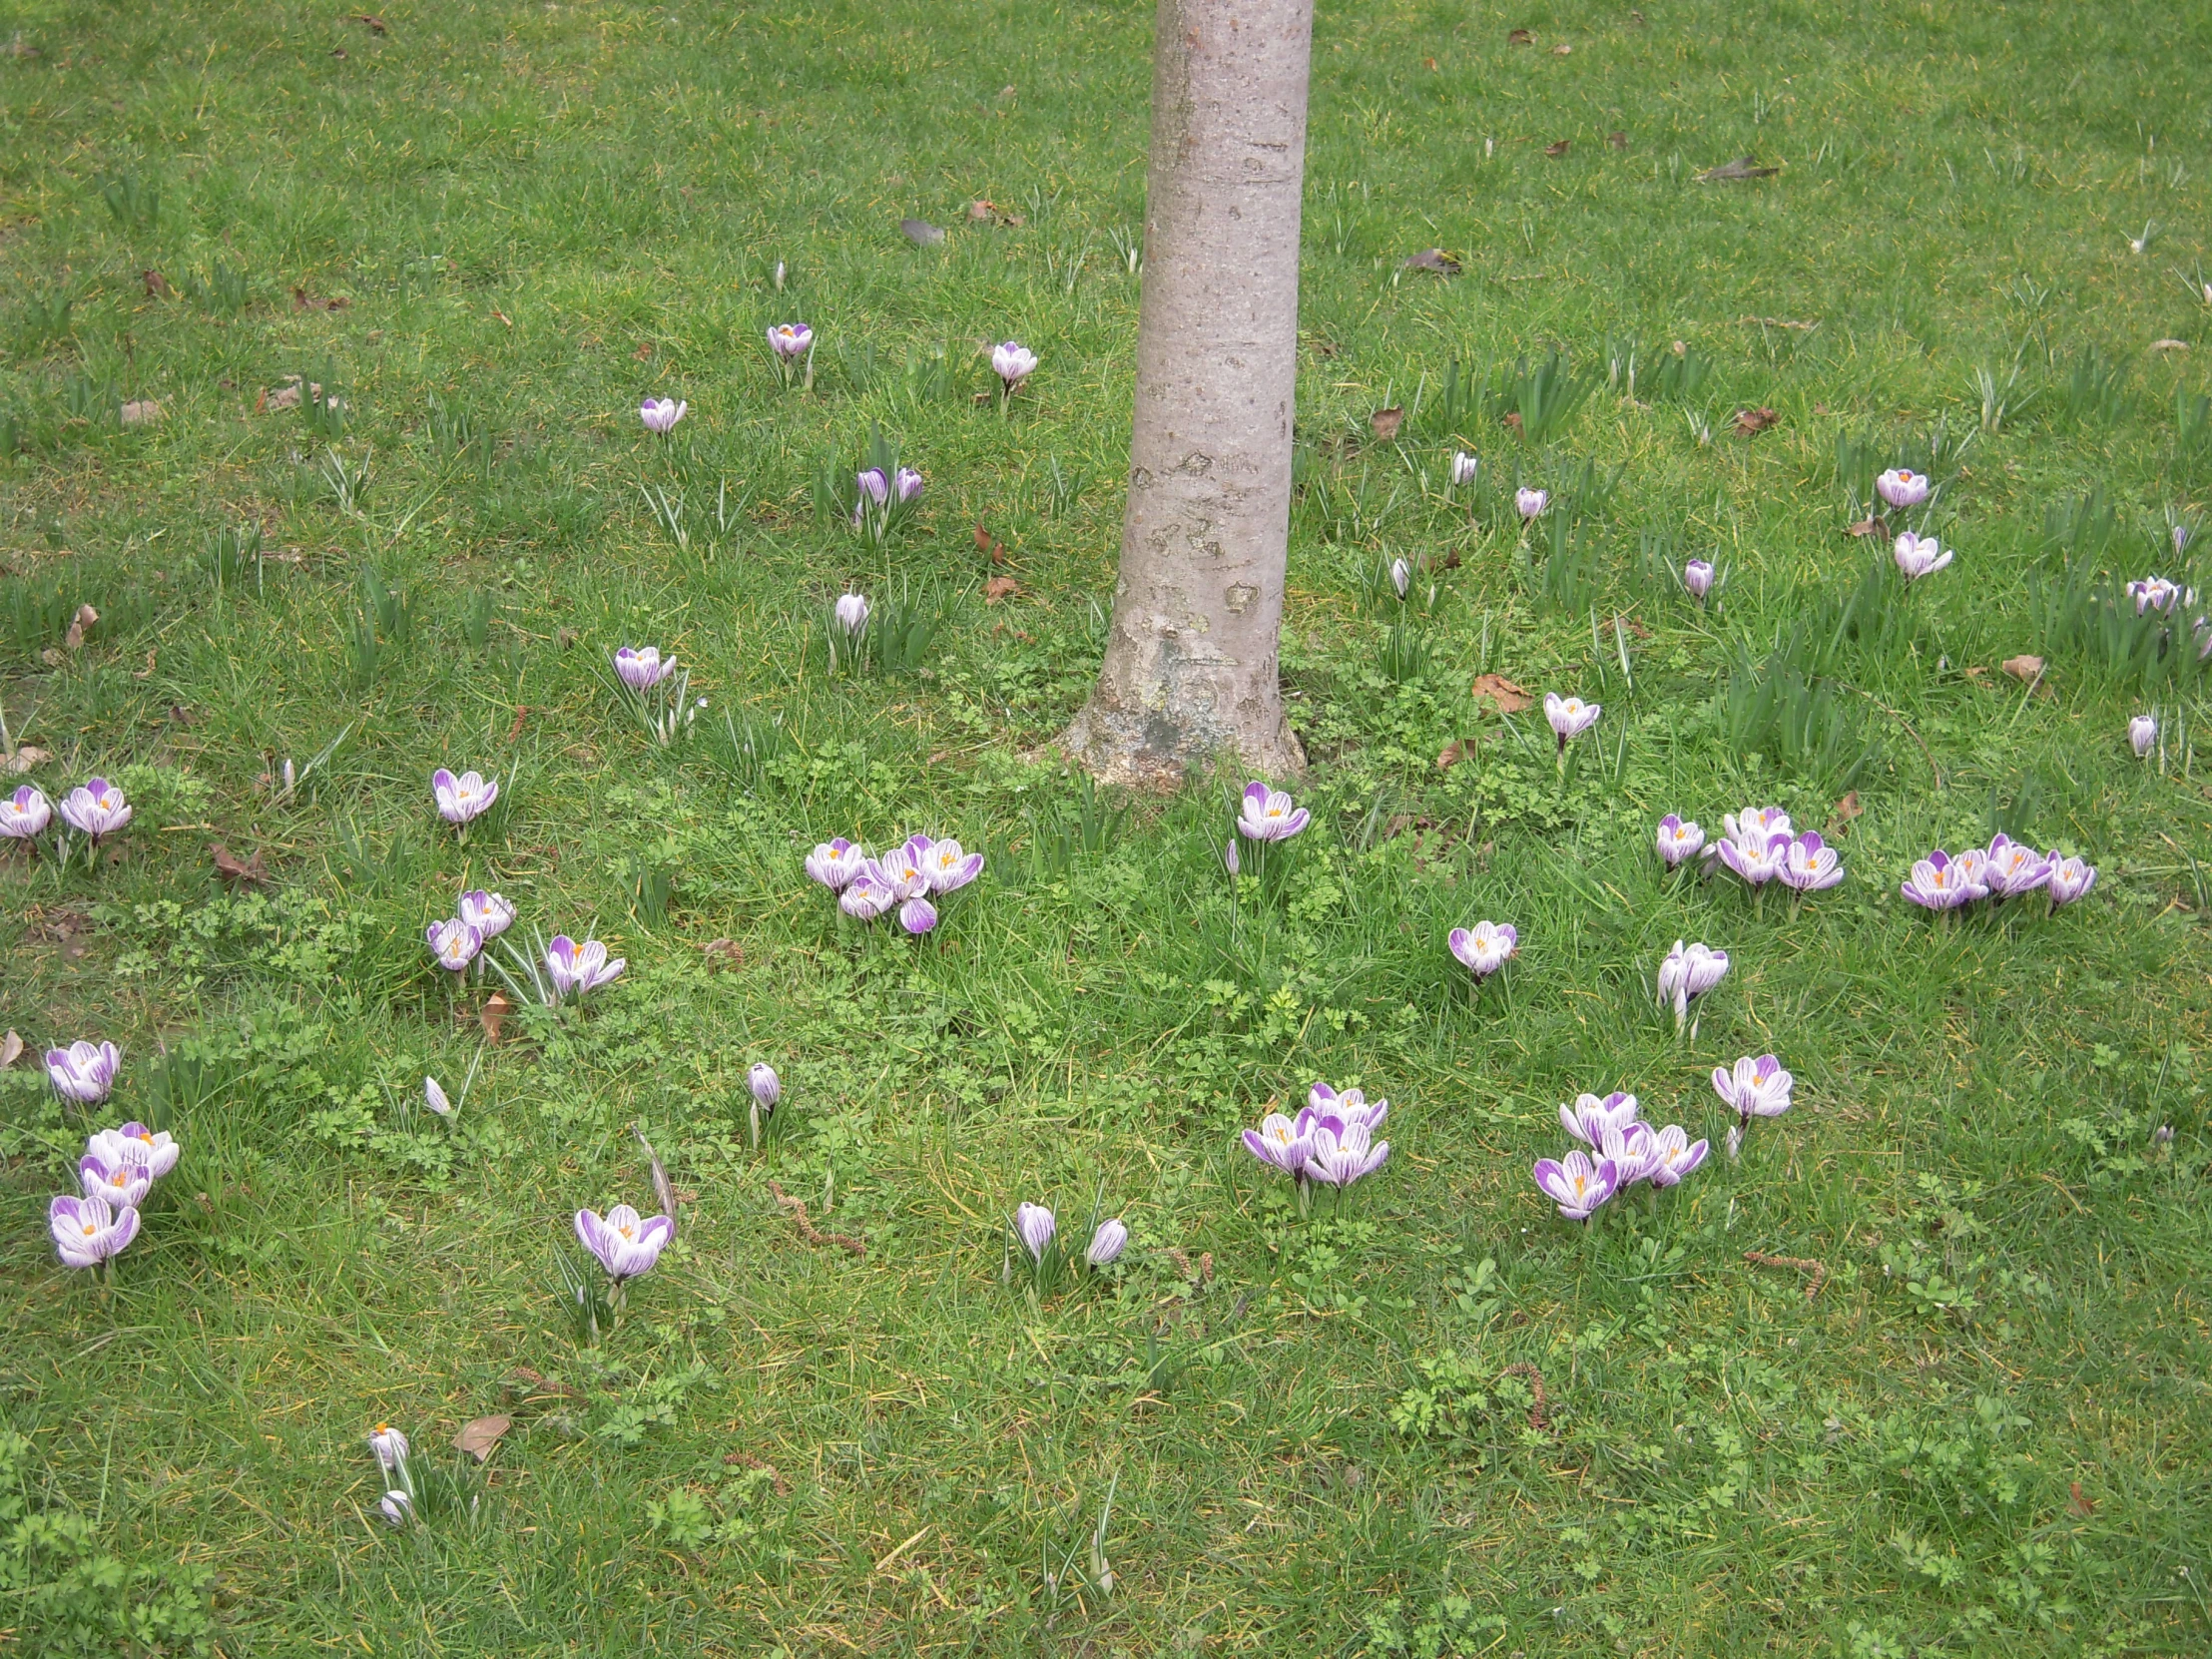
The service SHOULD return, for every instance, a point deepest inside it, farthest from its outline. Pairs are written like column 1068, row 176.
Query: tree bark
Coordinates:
column 1190, row 675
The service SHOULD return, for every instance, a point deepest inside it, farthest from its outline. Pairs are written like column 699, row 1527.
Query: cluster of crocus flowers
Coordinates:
column 656, row 691
column 2004, row 869
column 1483, row 949
column 2156, row 593
column 1623, row 1150
column 1037, row 1232
column 1569, row 716
column 793, row 346
column 1330, row 1144
column 1919, row 556
column 1751, row 1089
column 92, row 1226
column 1760, row 844
column 1013, row 362
column 94, row 810
column 883, row 499
column 1687, row 973
column 909, row 878
column 466, row 798
column 661, row 414
column 479, row 917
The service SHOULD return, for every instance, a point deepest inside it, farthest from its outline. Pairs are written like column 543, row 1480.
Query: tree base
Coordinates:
column 1154, row 751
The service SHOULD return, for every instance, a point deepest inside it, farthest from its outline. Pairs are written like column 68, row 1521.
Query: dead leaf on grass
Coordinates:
column 992, row 549
column 1563, row 50
column 75, row 639
column 1555, row 151
column 1868, row 527
column 1616, row 141
column 142, row 411
column 2077, row 1503
column 375, row 25
column 1743, row 167
column 157, row 286
column 1453, row 753
column 2169, row 346
column 1001, row 587
column 480, row 1436
column 1496, row 688
column 1846, row 809
column 1384, row 424
column 303, row 300
column 1521, row 37
column 26, row 757
column 146, row 673
column 236, row 872
column 1750, row 422
column 2023, row 668
column 724, row 952
column 992, row 213
column 494, row 1015
column 921, row 232
column 11, row 1048
column 1434, row 259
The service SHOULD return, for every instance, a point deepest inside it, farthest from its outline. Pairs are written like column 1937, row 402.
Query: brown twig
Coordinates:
column 1537, row 1419
column 748, row 1460
column 1817, row 1270
column 806, row 1229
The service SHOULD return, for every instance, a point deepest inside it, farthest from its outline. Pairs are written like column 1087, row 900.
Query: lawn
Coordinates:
column 322, row 343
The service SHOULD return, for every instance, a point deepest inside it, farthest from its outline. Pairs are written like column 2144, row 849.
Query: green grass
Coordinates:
column 1986, row 1434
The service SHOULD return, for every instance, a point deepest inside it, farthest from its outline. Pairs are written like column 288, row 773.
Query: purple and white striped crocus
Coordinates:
column 1577, row 1184
column 1675, row 1155
column 1903, row 487
column 624, row 1242
column 433, row 1097
column 1941, row 882
column 25, row 814
column 1283, row 1142
column 83, row 1073
column 906, row 484
column 491, row 913
column 901, row 869
column 1697, row 577
column 1013, row 362
column 850, row 611
column 1269, row 815
column 1755, row 824
column 2069, row 878
column 643, row 668
column 867, row 896
column 1571, row 717
column 1679, row 839
column 96, row 807
column 2153, row 593
column 155, row 1149
column 945, row 866
column 789, row 340
column 1349, row 1106
column 1485, row 947
column 1687, row 973
column 1531, row 503
column 1107, row 1243
column 2012, row 868
column 1589, row 1119
column 454, row 944
column 1633, row 1152
column 1757, row 860
column 836, row 864
column 574, row 970
column 2142, row 735
column 1343, row 1152
column 1919, row 556
column 1810, row 864
column 1756, row 1088
column 465, row 797
column 918, row 916
column 765, row 1087
column 661, row 414
column 88, row 1230
column 123, row 1182
column 1035, row 1226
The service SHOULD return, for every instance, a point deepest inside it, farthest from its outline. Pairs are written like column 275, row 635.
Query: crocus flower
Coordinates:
column 489, row 913
column 1754, row 826
column 661, row 414
column 2153, row 593
column 1901, row 487
column 1810, row 863
column 1676, row 1155
column 871, row 483
column 1530, row 502
column 390, row 1445
column 25, row 814
column 1013, row 362
column 948, row 869
column 1919, row 556
column 1697, row 576
column 95, row 807
column 625, row 1243
column 789, row 340
column 1632, row 1150
column 2142, row 735
column 1464, row 468
column 852, row 611
column 1941, row 882
column 2013, row 868
column 1282, row 1142
column 86, row 1231
column 2069, row 880
column 1402, row 577
column 867, row 896
column 906, row 484
column 1107, row 1241
column 918, row 916
column 1485, row 947
column 1588, row 1119
column 1758, row 860
column 902, row 870
column 642, row 670
column 454, row 944
column 2181, row 538
column 156, row 1151
column 397, row 1508
column 123, row 1183
column 1343, row 1155
column 83, row 1073
column 836, row 864
column 1269, row 815
column 1688, row 973
column 767, row 1087
column 434, row 1096
column 1679, row 839
column 1034, row 1225
column 1755, row 1088
column 465, row 797
column 576, row 968
column 1352, row 1106
column 1571, row 717
column 1577, row 1186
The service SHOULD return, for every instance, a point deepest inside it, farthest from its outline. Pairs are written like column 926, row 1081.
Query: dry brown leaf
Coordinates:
column 1001, row 587
column 1453, row 753
column 1846, row 809
column 11, row 1048
column 303, row 300
column 992, row 549
column 1868, row 527
column 1976, row 673
column 644, row 350
column 1563, row 50
column 992, row 213
column 1496, row 688
column 1514, row 420
column 1616, row 141
column 2024, row 667
column 157, row 286
column 1428, row 63
column 374, row 24
column 504, row 319
column 1434, row 259
column 53, row 655
column 1386, row 422
column 494, row 1015
column 2081, row 1505
column 727, row 952
column 1521, row 37
column 1752, row 421
column 26, row 757
column 1555, row 151
column 235, row 872
column 142, row 411
column 478, row 1438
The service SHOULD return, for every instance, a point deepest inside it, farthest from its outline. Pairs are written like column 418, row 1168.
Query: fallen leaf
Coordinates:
column 1752, row 421
column 178, row 715
column 2169, row 346
column 989, row 546
column 11, row 1049
column 1847, row 808
column 1006, row 92
column 142, row 411
column 1429, row 63
column 157, row 286
column 86, row 616
column 644, row 350
column 503, row 317
column 921, row 232
column 1868, row 527
column 1633, row 625
column 1386, row 422
column 478, row 1438
column 1521, row 37
column 52, row 657
column 1453, row 753
column 727, row 952
column 1509, row 697
column 284, row 398
column 2079, row 1504
column 515, row 731
column 1976, row 673
column 523, row 1378
column 26, row 757
column 146, row 673
column 1555, row 151
column 1001, row 587
column 2025, row 668
column 993, row 212
column 564, row 637
column 339, row 52
column 1743, row 167
column 303, row 300
column 494, row 1015
column 375, row 25
column 1434, row 259
column 20, row 48
column 1514, row 420
column 1616, row 141
column 236, row 872
column 1563, row 50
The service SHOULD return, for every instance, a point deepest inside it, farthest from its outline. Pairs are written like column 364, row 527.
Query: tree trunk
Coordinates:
column 1190, row 675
